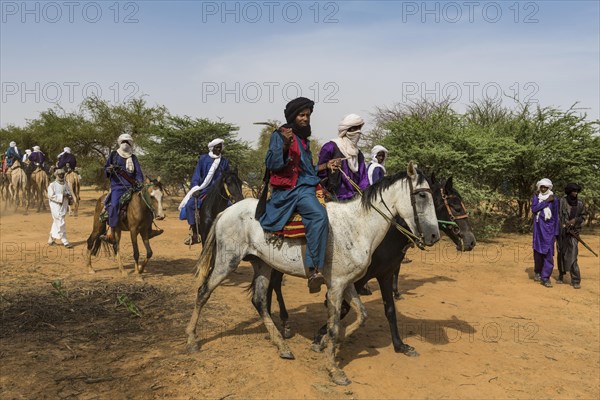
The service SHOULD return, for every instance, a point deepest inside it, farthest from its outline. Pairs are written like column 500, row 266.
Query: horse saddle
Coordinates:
column 294, row 228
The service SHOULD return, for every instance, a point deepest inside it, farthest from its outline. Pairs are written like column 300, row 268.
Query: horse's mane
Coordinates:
column 213, row 193
column 370, row 194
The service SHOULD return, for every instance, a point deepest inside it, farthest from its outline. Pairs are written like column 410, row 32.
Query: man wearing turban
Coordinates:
column 293, row 179
column 120, row 161
column 544, row 207
column 12, row 154
column 66, row 157
column 572, row 216
column 208, row 170
column 350, row 168
column 376, row 168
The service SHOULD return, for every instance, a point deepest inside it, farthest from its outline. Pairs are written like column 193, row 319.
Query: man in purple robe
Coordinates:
column 66, row 157
column 545, row 209
column 350, row 160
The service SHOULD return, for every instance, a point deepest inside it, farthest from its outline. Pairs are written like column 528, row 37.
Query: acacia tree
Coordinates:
column 495, row 154
column 174, row 146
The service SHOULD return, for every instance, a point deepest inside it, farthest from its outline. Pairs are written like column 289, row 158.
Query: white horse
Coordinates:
column 355, row 231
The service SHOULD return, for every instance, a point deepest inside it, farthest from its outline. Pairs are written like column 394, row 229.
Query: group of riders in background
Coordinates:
column 24, row 178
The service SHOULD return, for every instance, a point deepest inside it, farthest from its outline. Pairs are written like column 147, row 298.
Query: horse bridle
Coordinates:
column 229, row 196
column 453, row 217
column 413, row 203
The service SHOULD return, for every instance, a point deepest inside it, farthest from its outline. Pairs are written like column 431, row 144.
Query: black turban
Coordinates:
column 293, row 108
column 572, row 187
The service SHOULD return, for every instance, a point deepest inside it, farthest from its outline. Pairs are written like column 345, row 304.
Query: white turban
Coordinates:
column 543, row 197
column 67, row 150
column 376, row 150
column 125, row 137
column 544, row 182
column 347, row 142
column 213, row 143
column 13, row 144
column 348, row 122
column 36, row 148
column 28, row 151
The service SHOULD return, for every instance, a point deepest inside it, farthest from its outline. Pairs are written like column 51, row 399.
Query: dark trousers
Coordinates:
column 567, row 257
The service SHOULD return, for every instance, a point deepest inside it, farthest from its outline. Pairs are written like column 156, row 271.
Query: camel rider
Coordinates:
column 26, row 155
column 349, row 160
column 293, row 181
column 66, row 157
column 12, row 154
column 376, row 168
column 37, row 158
column 208, row 170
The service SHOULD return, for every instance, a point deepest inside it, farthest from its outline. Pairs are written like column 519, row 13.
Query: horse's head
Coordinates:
column 232, row 185
column 452, row 214
column 408, row 195
column 155, row 189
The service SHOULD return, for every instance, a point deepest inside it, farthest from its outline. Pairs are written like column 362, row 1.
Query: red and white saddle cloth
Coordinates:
column 294, row 228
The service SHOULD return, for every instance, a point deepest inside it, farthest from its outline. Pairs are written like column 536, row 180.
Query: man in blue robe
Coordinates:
column 12, row 154
column 208, row 171
column 124, row 171
column 293, row 181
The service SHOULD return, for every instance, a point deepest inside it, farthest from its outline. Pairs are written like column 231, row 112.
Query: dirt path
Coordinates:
column 481, row 325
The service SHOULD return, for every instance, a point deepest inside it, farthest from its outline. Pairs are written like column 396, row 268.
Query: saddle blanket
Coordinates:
column 294, row 228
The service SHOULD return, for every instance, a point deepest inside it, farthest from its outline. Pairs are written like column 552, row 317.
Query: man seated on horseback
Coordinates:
column 293, row 179
column 12, row 154
column 38, row 159
column 125, row 173
column 208, row 170
column 376, row 168
column 350, row 171
column 66, row 160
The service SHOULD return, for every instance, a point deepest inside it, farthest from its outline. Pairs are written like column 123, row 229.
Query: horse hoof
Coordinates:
column 339, row 378
column 408, row 351
column 397, row 296
column 287, row 355
column 316, row 347
column 192, row 348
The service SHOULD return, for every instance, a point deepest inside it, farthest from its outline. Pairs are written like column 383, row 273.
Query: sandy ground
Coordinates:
column 483, row 328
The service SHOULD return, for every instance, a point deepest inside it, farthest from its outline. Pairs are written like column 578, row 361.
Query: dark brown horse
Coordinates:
column 138, row 221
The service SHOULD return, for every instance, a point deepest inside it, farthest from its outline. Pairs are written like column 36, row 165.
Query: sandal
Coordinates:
column 315, row 280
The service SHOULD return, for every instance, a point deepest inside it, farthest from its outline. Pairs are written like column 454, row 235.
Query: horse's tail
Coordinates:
column 99, row 228
column 206, row 262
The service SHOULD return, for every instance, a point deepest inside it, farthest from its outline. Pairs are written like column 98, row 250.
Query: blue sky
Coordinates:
column 242, row 61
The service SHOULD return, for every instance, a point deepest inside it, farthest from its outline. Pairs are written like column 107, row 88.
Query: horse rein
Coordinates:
column 416, row 240
column 413, row 203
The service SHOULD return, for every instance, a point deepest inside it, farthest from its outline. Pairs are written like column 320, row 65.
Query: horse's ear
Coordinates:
column 448, row 186
column 411, row 170
column 158, row 178
column 235, row 170
column 433, row 177
column 147, row 179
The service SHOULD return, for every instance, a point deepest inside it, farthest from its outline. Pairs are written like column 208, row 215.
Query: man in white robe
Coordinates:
column 59, row 197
